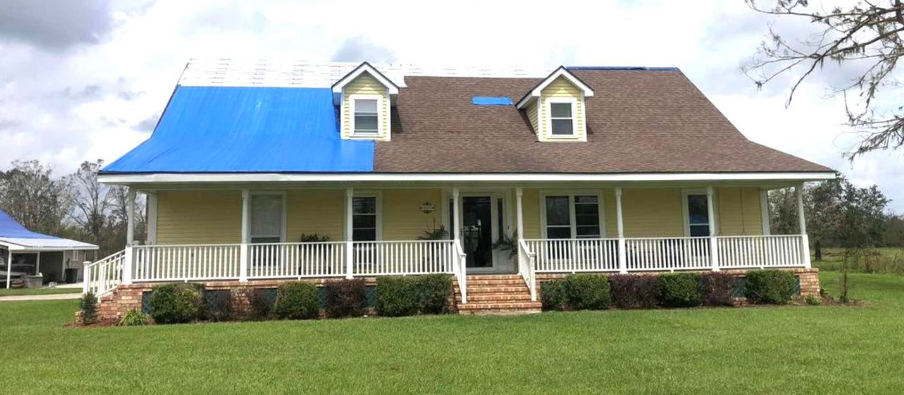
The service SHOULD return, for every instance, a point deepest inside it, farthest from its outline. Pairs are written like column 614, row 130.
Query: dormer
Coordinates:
column 556, row 107
column 365, row 98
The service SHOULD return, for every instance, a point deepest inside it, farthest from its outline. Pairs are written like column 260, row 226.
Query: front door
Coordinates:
column 477, row 231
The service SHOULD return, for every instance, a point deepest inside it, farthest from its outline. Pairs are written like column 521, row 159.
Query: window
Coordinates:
column 366, row 117
column 364, row 218
column 572, row 216
column 561, row 119
column 266, row 218
column 697, row 215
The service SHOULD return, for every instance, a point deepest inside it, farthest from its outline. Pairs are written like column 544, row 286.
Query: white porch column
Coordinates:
column 349, row 235
column 246, row 234
column 622, row 254
column 711, row 218
column 519, row 192
column 802, row 223
column 456, row 228
column 764, row 212
column 130, row 237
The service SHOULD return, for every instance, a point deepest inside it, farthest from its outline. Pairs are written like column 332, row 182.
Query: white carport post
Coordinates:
column 802, row 223
column 243, row 248
column 9, row 267
column 349, row 232
column 38, row 263
column 711, row 218
column 130, row 237
column 622, row 254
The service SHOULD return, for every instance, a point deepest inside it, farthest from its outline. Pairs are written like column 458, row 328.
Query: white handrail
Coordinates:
column 460, row 269
column 527, row 261
column 105, row 275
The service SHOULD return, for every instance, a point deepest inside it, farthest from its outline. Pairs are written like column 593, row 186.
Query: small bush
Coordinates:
column 176, row 303
column 345, row 298
column 88, row 305
column 552, row 294
column 631, row 291
column 296, row 300
column 587, row 292
column 260, row 303
column 220, row 305
column 813, row 301
column 434, row 292
column 717, row 288
column 396, row 296
column 133, row 317
column 680, row 290
column 770, row 286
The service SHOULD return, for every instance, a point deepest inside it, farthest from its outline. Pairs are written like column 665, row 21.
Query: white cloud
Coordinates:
column 96, row 98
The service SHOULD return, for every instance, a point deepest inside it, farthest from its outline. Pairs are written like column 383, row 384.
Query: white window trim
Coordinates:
column 282, row 231
column 600, row 201
column 351, row 122
column 379, row 196
column 684, row 213
column 574, row 118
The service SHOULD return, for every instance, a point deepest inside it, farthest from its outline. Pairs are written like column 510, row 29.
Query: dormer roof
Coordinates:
column 534, row 93
column 365, row 67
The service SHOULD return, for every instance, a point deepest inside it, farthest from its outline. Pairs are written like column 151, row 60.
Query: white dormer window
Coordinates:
column 366, row 120
column 562, row 121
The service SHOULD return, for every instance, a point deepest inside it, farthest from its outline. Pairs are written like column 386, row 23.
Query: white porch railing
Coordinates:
column 668, row 253
column 376, row 258
column 527, row 262
column 104, row 275
column 185, row 262
column 574, row 255
column 760, row 251
column 286, row 260
column 460, row 269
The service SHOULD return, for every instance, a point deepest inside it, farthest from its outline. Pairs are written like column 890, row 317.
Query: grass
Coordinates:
column 38, row 291
column 888, row 260
column 768, row 350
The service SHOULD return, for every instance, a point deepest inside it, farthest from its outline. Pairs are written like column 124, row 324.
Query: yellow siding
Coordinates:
column 738, row 211
column 315, row 211
column 610, row 214
column 402, row 219
column 561, row 87
column 530, row 202
column 199, row 217
column 532, row 115
column 365, row 84
column 652, row 212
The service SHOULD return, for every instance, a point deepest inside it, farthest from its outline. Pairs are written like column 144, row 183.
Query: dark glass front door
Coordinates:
column 477, row 230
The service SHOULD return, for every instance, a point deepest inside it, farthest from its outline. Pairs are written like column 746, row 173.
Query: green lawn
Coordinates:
column 769, row 350
column 38, row 291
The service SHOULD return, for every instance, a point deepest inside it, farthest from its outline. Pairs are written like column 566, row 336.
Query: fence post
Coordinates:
column 127, row 265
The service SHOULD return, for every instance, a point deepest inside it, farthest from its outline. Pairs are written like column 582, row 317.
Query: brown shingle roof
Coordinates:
column 638, row 121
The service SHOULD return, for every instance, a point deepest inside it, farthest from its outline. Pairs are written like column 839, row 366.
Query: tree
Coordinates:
column 90, row 201
column 866, row 37
column 822, row 212
column 783, row 212
column 30, row 194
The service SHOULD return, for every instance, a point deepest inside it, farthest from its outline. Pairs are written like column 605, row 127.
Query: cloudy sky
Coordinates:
column 85, row 80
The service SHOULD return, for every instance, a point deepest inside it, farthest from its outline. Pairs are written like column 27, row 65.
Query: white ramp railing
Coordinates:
column 105, row 275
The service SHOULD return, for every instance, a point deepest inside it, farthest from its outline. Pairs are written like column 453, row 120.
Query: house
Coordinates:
column 579, row 169
column 38, row 257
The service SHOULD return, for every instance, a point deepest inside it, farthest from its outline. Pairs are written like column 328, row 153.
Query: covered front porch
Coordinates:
column 200, row 233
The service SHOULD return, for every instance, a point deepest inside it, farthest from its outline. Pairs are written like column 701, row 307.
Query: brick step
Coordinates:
column 508, row 305
column 494, row 277
column 495, row 297
column 501, row 312
column 473, row 283
column 487, row 289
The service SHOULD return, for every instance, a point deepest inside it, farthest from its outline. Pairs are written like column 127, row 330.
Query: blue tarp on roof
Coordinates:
column 491, row 101
column 248, row 129
column 12, row 229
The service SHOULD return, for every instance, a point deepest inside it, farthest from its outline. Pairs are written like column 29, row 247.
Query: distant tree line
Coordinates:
column 74, row 206
column 839, row 214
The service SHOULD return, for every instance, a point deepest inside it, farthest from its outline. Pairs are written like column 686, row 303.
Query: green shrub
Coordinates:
column 434, row 293
column 219, row 305
column 552, row 294
column 88, row 305
column 345, row 298
column 813, row 300
column 133, row 317
column 396, row 296
column 770, row 286
column 717, row 288
column 587, row 291
column 296, row 300
column 176, row 303
column 260, row 302
column 632, row 291
column 680, row 290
